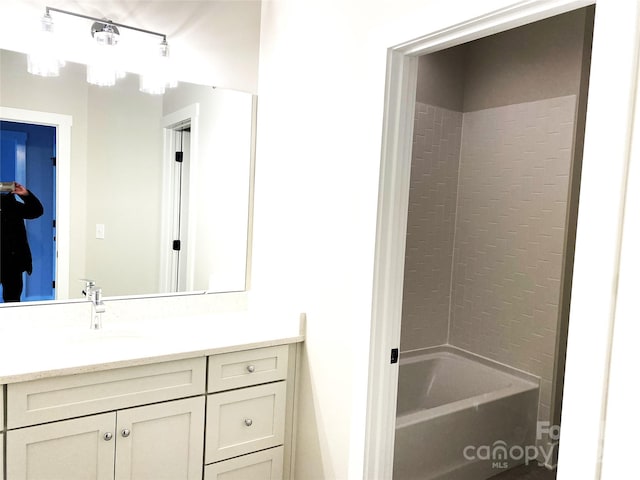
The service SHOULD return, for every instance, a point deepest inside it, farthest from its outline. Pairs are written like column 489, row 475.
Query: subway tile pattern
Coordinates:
column 509, row 234
column 431, row 219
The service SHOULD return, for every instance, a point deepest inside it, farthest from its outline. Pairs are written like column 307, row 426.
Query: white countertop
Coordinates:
column 28, row 354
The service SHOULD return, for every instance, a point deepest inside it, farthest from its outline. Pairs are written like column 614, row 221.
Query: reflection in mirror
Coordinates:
column 123, row 211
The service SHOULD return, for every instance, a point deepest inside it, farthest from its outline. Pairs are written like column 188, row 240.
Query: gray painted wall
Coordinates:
column 537, row 61
column 441, row 78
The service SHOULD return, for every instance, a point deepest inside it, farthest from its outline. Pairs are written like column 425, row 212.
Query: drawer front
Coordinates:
column 249, row 367
column 264, row 465
column 57, row 398
column 245, row 420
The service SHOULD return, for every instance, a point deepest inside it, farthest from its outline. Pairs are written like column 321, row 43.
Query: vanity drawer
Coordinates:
column 248, row 367
column 264, row 465
column 245, row 420
column 49, row 399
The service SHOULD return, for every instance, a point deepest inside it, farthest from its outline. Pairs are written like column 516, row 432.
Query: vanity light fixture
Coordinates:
column 103, row 68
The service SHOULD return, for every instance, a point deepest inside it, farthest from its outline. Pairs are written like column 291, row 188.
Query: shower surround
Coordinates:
column 486, row 232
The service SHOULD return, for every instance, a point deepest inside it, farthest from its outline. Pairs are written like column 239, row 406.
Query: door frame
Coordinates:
column 189, row 114
column 609, row 116
column 62, row 124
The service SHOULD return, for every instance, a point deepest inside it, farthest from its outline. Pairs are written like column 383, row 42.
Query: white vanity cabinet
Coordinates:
column 156, row 441
column 2, row 431
column 225, row 416
column 2, row 455
column 247, row 414
column 160, row 441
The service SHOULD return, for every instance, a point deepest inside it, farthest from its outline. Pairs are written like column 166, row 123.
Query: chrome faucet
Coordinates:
column 94, row 295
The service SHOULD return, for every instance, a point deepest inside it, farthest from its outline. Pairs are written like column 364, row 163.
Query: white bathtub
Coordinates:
column 461, row 417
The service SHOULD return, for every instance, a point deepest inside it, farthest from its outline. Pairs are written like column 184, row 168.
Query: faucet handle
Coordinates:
column 88, row 285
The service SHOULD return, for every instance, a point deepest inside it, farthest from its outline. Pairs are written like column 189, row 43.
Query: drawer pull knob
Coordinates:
column 125, row 432
column 108, row 436
column 251, row 368
column 248, row 422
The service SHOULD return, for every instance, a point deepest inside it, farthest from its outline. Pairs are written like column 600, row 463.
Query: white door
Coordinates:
column 78, row 449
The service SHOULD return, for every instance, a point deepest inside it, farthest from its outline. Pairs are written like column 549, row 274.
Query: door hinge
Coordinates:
column 53, row 223
column 176, row 245
column 53, row 284
column 394, row 355
column 179, row 157
column 53, row 161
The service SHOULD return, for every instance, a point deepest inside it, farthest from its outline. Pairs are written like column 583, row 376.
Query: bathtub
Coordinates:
column 461, row 417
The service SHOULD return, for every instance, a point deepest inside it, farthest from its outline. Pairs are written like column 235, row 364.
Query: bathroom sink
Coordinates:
column 115, row 338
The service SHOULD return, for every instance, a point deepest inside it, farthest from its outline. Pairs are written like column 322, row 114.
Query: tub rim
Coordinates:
column 527, row 383
column 411, row 356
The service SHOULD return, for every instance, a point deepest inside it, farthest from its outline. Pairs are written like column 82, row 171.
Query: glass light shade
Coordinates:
column 158, row 74
column 43, row 64
column 151, row 84
column 101, row 75
column 43, row 59
column 103, row 71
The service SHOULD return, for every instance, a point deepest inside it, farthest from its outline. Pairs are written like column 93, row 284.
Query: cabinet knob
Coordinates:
column 251, row 368
column 108, row 436
column 248, row 422
column 125, row 432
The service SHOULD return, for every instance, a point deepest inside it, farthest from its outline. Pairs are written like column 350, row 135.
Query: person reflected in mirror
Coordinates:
column 15, row 254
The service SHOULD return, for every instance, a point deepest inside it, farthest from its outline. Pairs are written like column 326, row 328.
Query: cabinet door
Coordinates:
column 264, row 465
column 161, row 442
column 2, row 455
column 78, row 449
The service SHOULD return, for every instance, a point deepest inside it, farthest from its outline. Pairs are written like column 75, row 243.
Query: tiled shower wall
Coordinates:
column 501, row 298
column 430, row 228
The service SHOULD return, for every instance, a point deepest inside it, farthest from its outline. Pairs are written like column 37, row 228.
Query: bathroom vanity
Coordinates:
column 222, row 412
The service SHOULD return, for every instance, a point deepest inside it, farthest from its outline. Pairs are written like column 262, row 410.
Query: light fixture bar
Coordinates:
column 107, row 22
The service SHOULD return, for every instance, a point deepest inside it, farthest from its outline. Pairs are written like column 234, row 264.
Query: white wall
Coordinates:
column 222, row 178
column 322, row 79
column 124, row 187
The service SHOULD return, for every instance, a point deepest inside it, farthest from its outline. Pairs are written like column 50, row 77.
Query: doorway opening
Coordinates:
column 596, row 265
column 493, row 204
column 61, row 203
column 29, row 157
column 178, row 208
column 179, row 174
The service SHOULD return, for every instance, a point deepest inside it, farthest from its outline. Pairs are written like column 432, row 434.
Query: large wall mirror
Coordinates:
column 124, row 209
